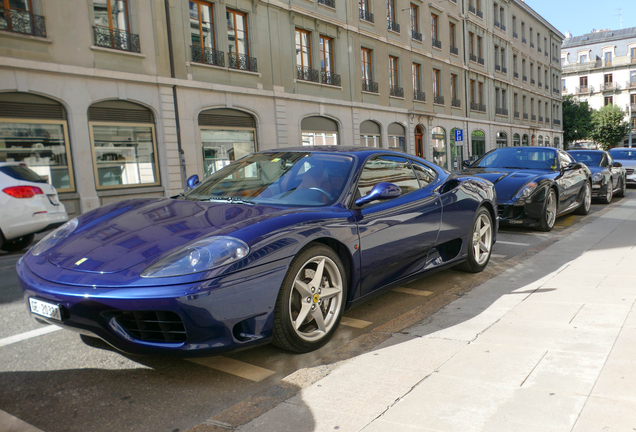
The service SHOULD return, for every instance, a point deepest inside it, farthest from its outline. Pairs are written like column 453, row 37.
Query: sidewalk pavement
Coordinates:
column 548, row 345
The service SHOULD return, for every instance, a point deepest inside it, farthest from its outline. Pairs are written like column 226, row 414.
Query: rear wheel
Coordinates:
column 479, row 243
column 546, row 223
column 609, row 194
column 586, row 202
column 15, row 245
column 311, row 300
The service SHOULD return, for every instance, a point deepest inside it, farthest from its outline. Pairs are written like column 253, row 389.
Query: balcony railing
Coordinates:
column 18, row 21
column 438, row 99
column 397, row 91
column 547, row 119
column 208, row 56
column 498, row 68
column 416, row 35
column 481, row 61
column 482, row 107
column 307, row 74
column 555, row 90
column 633, row 109
column 540, row 119
column 515, row 35
column 545, row 53
column 564, row 90
column 584, row 89
column 608, row 63
column 419, row 95
column 531, row 44
column 330, row 78
column 533, row 117
column 393, row 26
column 497, row 24
column 540, row 84
column 471, row 9
column 516, row 114
column 609, row 86
column 369, row 86
column 474, row 106
column 532, row 81
column 504, row 70
column 503, row 27
column 366, row 15
column 456, row 103
column 630, row 84
column 539, row 49
column 242, row 62
column 454, row 50
column 473, row 58
column 501, row 111
column 525, row 116
column 480, row 14
column 525, row 78
column 116, row 39
column 436, row 43
column 523, row 40
column 556, row 122
column 330, row 3
column 547, row 87
column 515, row 74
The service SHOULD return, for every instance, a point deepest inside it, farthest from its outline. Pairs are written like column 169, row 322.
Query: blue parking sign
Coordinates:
column 459, row 135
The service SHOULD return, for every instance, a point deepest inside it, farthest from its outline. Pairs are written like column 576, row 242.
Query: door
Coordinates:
column 396, row 234
column 570, row 182
column 419, row 144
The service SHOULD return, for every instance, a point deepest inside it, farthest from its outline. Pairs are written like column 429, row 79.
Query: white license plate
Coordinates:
column 45, row 309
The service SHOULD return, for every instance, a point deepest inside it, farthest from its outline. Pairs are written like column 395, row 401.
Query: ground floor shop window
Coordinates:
column 438, row 143
column 319, row 138
column 524, row 142
column 319, row 130
column 478, row 144
column 221, row 147
column 397, row 137
column 502, row 139
column 370, row 134
column 516, row 141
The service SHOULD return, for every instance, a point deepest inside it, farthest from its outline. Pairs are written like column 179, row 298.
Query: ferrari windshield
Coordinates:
column 278, row 178
column 624, row 153
column 519, row 158
column 589, row 158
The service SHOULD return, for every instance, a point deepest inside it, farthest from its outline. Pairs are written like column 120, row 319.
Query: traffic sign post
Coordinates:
column 459, row 135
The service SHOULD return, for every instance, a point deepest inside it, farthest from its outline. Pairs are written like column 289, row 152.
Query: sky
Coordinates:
column 580, row 17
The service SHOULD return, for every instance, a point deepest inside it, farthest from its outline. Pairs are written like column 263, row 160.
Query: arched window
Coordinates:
column 124, row 146
column 546, row 141
column 540, row 142
column 478, row 144
column 438, row 142
column 516, row 141
column 397, row 137
column 502, row 139
column 318, row 130
column 34, row 131
column 556, row 142
column 370, row 134
column 226, row 135
column 525, row 140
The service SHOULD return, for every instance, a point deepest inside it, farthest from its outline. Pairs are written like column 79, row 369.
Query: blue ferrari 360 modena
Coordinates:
column 273, row 247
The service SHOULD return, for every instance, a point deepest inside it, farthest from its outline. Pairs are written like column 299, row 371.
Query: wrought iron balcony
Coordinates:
column 18, row 21
column 208, row 56
column 480, row 14
column 393, row 26
column 242, row 62
column 547, row 119
column 503, row 27
column 608, row 63
column 474, row 106
column 330, row 3
column 366, row 15
column 516, row 114
column 397, row 91
column 556, row 122
column 630, row 84
column 584, row 89
column 547, row 87
column 564, row 90
column 633, row 109
column 482, row 107
column 554, row 59
column 525, row 78
column 504, row 70
column 515, row 35
column 330, row 78
column 532, row 81
column 525, row 116
column 540, row 84
column 555, row 90
column 540, row 119
column 471, row 9
column 498, row 68
column 473, row 58
column 307, row 74
column 116, row 39
column 497, row 24
column 416, row 35
column 516, row 74
column 531, row 44
column 369, row 86
column 545, row 53
column 419, row 95
column 501, row 111
column 539, row 49
column 481, row 61
column 439, row 99
column 456, row 103
column 533, row 117
column 523, row 40
column 454, row 50
column 436, row 43
column 609, row 86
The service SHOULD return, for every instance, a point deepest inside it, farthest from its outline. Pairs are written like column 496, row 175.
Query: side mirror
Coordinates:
column 617, row 164
column 381, row 191
column 193, row 181
column 466, row 163
column 573, row 166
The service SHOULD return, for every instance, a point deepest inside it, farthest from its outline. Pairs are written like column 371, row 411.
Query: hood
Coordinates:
column 507, row 181
column 117, row 237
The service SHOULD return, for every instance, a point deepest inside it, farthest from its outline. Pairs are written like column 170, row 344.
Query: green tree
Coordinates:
column 577, row 120
column 609, row 126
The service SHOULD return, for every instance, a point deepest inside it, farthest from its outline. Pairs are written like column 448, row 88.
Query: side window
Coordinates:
column 424, row 174
column 388, row 169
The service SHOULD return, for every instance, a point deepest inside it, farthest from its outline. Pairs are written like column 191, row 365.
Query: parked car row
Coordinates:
column 277, row 245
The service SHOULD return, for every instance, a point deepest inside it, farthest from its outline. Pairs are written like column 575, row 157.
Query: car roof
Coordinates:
column 360, row 151
column 586, row 151
column 11, row 163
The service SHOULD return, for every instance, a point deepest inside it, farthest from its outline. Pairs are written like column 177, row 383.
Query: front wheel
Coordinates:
column 586, row 202
column 623, row 189
column 479, row 243
column 609, row 194
column 548, row 218
column 311, row 300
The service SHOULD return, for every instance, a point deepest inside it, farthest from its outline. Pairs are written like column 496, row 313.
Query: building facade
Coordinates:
column 600, row 68
column 114, row 99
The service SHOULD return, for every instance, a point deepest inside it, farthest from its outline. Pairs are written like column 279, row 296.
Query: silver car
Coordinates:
column 627, row 157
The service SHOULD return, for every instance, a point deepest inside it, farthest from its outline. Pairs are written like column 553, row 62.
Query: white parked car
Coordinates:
column 28, row 205
column 627, row 157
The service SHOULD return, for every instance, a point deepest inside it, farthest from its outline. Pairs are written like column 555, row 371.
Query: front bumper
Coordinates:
column 528, row 214
column 218, row 315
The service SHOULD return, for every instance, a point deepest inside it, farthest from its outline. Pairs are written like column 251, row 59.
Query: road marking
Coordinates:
column 492, row 255
column 352, row 322
column 567, row 221
column 413, row 291
column 12, row 423
column 28, row 335
column 235, row 367
column 512, row 243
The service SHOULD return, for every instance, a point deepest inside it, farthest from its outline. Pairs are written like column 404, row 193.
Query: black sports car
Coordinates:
column 608, row 177
column 535, row 185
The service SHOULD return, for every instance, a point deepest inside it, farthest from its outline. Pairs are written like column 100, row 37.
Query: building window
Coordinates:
column 632, row 52
column 124, row 146
column 326, row 61
column 583, row 83
column 609, row 100
column 370, row 134
column 303, row 56
column 632, row 78
column 394, row 81
column 434, row 21
column 319, row 130
column 437, row 91
column 502, row 139
column 479, row 53
column 238, row 42
column 453, row 84
column 417, row 84
column 367, row 69
column 17, row 16
column 397, row 137
column 583, row 58
column 112, row 25
column 608, row 58
column 471, row 45
column 472, row 92
column 480, row 93
column 202, row 34
column 415, row 21
column 390, row 10
column 523, row 32
column 514, row 27
column 451, row 31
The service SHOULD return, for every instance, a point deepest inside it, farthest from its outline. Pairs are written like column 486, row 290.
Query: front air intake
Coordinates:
column 153, row 326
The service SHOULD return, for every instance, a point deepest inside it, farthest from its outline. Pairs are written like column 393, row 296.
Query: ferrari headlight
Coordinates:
column 597, row 177
column 526, row 190
column 54, row 237
column 200, row 256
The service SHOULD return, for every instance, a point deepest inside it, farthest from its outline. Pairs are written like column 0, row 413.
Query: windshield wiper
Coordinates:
column 515, row 167
column 229, row 200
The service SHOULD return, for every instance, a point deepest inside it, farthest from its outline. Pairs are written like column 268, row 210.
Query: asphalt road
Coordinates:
column 57, row 382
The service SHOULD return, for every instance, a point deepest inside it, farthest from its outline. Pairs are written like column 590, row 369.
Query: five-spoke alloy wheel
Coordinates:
column 479, row 242
column 549, row 212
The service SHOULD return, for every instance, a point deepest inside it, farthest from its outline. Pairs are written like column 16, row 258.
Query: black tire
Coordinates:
column 586, row 201
column 623, row 190
column 609, row 194
column 304, row 292
column 550, row 209
column 17, row 244
column 476, row 262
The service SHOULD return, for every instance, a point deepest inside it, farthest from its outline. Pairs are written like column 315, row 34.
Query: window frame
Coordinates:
column 415, row 20
column 437, row 91
column 453, row 86
column 434, row 26
column 110, row 16
column 416, row 71
column 369, row 63
column 201, row 3
column 451, row 34
column 307, row 33
column 323, row 52
column 236, row 13
column 394, row 79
